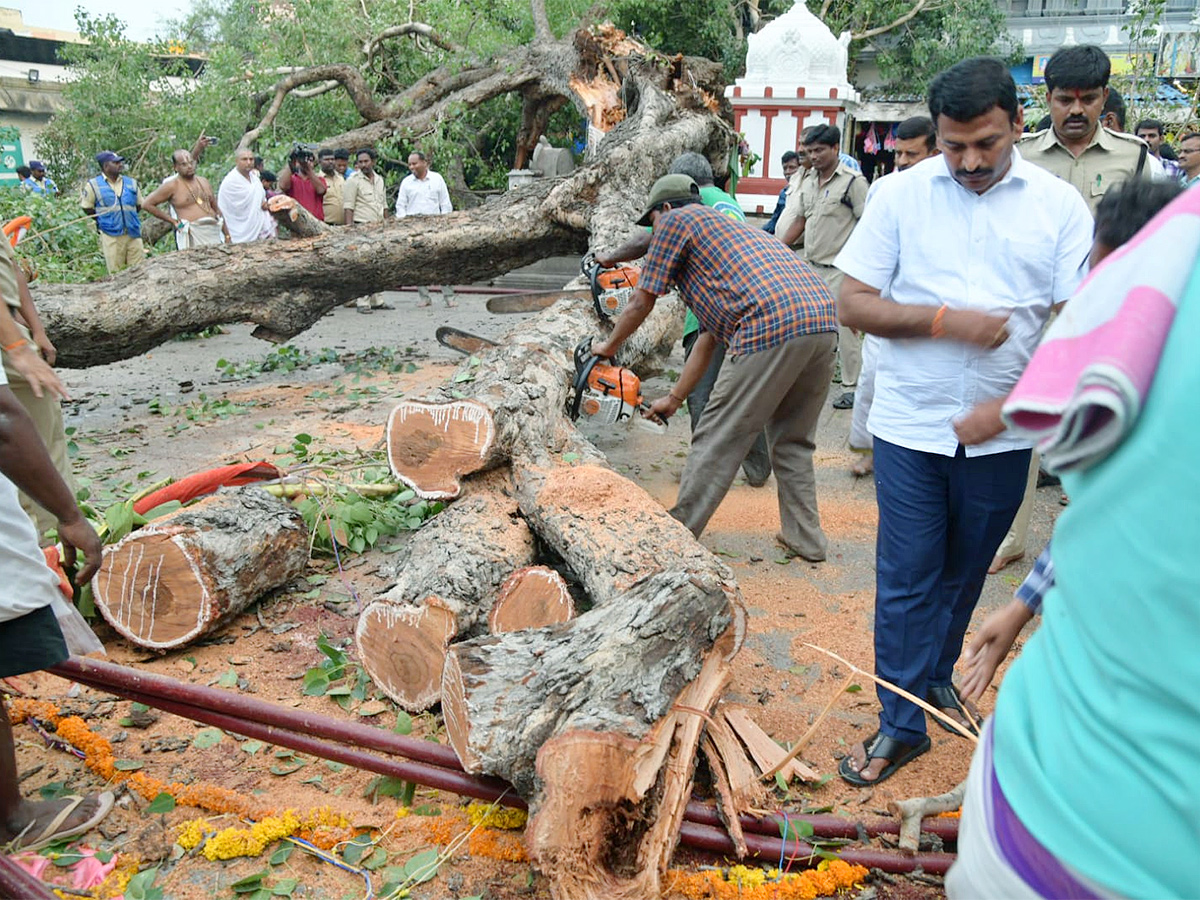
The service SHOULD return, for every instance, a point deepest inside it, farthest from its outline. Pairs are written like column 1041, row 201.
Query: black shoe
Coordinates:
column 1045, row 479
column 846, row 401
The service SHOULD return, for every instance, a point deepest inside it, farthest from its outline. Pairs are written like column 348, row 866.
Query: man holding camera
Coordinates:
column 303, row 183
column 194, row 213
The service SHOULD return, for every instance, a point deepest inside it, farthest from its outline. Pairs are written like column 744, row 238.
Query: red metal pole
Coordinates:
column 772, row 849
column 16, row 882
column 154, row 689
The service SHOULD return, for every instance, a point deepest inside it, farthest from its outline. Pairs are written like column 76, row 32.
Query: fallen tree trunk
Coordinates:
column 453, row 570
column 284, row 287
column 186, row 574
column 596, row 722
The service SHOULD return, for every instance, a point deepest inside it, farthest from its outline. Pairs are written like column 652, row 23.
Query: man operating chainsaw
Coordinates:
column 778, row 322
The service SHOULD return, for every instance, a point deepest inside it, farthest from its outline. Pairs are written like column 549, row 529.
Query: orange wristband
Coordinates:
column 14, row 346
column 936, row 329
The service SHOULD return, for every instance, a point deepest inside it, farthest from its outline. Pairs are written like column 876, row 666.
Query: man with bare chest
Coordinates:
column 196, row 218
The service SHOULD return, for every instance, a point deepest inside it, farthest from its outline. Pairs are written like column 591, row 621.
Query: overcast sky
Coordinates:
column 142, row 18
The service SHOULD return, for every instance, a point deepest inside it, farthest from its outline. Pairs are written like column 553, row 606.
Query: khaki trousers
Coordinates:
column 1018, row 533
column 46, row 412
column 782, row 389
column 849, row 341
column 121, row 251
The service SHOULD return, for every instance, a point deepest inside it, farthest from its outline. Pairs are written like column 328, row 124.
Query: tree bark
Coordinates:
column 596, row 723
column 186, row 574
column 448, row 582
column 285, row 288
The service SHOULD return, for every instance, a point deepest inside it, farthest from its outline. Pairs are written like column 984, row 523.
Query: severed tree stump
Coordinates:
column 431, row 446
column 532, row 597
column 597, row 722
column 455, row 566
column 186, row 574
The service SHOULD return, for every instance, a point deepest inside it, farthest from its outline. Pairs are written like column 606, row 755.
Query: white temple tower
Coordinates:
column 795, row 77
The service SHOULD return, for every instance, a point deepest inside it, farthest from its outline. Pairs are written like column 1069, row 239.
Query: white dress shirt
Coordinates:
column 423, row 196
column 1019, row 248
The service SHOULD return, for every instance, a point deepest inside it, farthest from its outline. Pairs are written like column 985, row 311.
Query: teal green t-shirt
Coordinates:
column 713, row 196
column 1098, row 721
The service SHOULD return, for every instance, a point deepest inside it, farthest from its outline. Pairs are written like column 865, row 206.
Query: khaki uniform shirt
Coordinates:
column 335, row 186
column 792, row 208
column 8, row 278
column 1110, row 159
column 367, row 198
column 829, row 221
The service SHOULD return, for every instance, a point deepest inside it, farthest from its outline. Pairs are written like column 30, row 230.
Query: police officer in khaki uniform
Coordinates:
column 832, row 201
column 1077, row 148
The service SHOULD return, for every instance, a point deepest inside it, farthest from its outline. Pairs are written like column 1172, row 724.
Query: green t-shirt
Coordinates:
column 713, row 196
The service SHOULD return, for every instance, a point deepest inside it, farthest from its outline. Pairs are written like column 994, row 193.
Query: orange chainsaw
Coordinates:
column 607, row 393
column 611, row 288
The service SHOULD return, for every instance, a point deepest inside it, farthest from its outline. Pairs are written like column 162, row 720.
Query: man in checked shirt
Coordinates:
column 779, row 324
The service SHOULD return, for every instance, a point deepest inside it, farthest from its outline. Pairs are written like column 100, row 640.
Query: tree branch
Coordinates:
column 347, row 76
column 907, row 17
column 416, row 29
column 541, row 23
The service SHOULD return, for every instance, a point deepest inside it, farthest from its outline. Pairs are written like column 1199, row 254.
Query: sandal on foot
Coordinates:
column 880, row 746
column 947, row 697
column 54, row 831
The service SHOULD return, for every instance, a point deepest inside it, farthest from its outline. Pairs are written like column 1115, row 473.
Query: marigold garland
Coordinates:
column 323, row 827
column 489, row 843
column 746, row 883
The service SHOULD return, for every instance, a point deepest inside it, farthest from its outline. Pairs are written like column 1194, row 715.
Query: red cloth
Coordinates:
column 302, row 191
column 203, row 483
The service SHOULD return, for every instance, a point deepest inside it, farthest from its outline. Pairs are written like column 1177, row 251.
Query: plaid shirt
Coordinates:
column 1038, row 582
column 743, row 284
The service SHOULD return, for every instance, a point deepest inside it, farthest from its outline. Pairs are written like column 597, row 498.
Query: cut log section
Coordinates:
column 532, row 597
column 186, row 574
column 447, row 585
column 762, row 747
column 604, row 713
column 431, row 446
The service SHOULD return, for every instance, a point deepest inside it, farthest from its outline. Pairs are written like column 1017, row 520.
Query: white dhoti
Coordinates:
column 204, row 232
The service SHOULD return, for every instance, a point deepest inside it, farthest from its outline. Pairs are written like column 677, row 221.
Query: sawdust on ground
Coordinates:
column 782, row 683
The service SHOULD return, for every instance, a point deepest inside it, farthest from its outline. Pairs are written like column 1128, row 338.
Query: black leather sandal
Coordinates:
column 948, row 697
column 880, row 746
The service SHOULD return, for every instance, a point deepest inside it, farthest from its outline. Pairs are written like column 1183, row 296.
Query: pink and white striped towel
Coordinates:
column 1085, row 385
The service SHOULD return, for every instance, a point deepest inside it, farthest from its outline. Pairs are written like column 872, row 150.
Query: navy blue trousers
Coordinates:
column 941, row 519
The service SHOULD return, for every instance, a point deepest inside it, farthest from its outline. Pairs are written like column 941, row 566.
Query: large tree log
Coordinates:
column 452, row 571
column 188, row 573
column 284, row 287
column 531, row 597
column 580, row 718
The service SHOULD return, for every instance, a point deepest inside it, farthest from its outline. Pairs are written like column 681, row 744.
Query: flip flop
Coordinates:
column 880, row 746
column 53, row 832
column 948, row 697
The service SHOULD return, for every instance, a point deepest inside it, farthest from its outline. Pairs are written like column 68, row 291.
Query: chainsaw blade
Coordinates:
column 462, row 341
column 526, row 303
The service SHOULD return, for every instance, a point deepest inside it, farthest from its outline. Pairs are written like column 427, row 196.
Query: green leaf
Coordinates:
column 375, row 860
column 303, row 438
column 422, row 867
column 280, row 856
column 357, row 847
column 207, row 737
column 163, row 803
column 141, row 886
column 229, row 678
column 287, row 770
column 853, row 688
column 284, row 887
column 251, row 746
column 250, row 883
column 781, row 782
column 570, row 457
column 463, row 377
column 335, row 766
column 128, row 765
column 316, row 682
column 54, row 790
column 404, row 723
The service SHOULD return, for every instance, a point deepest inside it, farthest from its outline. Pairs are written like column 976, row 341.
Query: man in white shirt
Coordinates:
column 976, row 246
column 423, row 193
column 244, row 202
